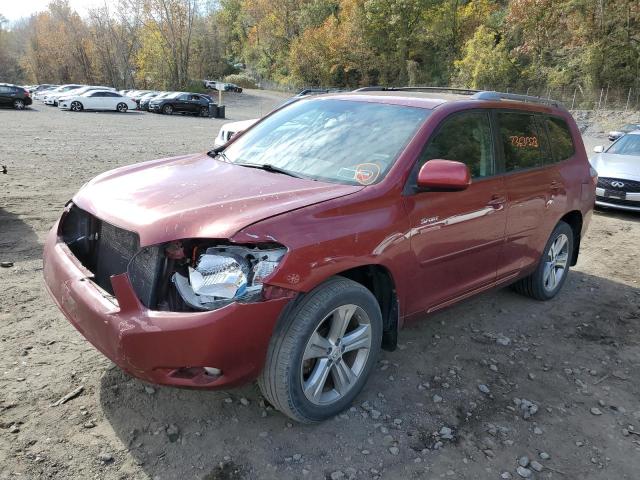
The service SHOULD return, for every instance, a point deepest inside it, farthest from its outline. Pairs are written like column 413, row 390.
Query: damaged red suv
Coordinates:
column 293, row 254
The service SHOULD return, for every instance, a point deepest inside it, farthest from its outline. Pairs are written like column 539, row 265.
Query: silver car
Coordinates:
column 618, row 170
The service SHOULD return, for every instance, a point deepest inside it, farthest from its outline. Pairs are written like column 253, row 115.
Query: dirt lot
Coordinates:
column 576, row 358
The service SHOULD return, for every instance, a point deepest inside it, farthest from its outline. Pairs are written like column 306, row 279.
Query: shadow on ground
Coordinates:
column 230, row 435
column 18, row 240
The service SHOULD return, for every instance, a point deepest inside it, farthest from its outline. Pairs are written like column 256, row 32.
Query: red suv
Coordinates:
column 293, row 254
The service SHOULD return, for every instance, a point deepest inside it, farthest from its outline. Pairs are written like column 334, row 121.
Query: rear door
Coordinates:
column 111, row 100
column 532, row 184
column 457, row 236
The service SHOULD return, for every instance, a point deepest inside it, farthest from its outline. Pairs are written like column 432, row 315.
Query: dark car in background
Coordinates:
column 146, row 99
column 181, row 102
column 14, row 96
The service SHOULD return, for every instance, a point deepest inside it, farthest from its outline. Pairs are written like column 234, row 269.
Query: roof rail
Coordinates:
column 462, row 91
column 475, row 94
column 491, row 95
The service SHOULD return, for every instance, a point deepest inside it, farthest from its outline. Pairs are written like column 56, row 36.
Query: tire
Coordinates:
column 76, row 106
column 318, row 317
column 122, row 107
column 167, row 109
column 204, row 112
column 18, row 104
column 543, row 283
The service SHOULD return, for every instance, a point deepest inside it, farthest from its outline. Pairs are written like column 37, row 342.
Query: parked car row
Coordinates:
column 76, row 98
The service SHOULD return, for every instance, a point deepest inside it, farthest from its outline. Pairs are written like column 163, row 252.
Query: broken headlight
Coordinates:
column 223, row 274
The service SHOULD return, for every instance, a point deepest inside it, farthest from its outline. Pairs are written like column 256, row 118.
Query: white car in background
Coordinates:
column 228, row 130
column 52, row 95
column 98, row 100
column 78, row 91
column 618, row 168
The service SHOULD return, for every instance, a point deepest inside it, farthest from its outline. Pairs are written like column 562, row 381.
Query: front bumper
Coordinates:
column 166, row 348
column 631, row 202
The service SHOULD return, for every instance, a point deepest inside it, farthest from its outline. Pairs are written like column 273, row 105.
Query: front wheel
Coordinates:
column 322, row 353
column 549, row 277
column 204, row 112
column 18, row 104
column 122, row 107
column 76, row 106
column 167, row 109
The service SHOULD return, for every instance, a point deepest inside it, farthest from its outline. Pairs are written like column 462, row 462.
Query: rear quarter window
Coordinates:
column 560, row 138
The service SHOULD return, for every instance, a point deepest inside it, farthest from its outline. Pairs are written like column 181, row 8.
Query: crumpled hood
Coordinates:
column 611, row 165
column 196, row 196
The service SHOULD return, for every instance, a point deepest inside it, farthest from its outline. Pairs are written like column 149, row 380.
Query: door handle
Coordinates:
column 497, row 201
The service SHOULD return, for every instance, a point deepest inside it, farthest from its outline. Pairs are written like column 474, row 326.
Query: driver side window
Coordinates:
column 465, row 137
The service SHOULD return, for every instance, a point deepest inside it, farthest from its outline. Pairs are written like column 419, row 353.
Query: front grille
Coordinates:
column 629, row 186
column 106, row 250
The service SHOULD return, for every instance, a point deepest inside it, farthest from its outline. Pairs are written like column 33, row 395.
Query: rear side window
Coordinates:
column 560, row 138
column 464, row 137
column 521, row 141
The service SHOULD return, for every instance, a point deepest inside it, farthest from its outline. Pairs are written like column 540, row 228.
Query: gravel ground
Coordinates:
column 495, row 387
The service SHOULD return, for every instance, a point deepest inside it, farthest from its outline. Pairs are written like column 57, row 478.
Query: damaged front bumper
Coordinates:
column 169, row 348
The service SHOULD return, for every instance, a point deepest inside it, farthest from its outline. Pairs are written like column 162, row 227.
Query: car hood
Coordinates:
column 611, row 165
column 196, row 196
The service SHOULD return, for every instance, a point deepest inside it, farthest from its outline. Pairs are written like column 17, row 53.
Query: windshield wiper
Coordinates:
column 218, row 153
column 269, row 168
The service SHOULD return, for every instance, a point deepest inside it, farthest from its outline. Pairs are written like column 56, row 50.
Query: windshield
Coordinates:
column 338, row 141
column 630, row 127
column 627, row 145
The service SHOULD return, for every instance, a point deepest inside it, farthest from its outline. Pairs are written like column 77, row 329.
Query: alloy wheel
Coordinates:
column 122, row 107
column 18, row 104
column 336, row 354
column 168, row 109
column 556, row 262
column 76, row 106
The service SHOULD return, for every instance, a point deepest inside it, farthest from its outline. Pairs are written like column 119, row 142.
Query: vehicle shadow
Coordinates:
column 615, row 213
column 18, row 240
column 234, row 428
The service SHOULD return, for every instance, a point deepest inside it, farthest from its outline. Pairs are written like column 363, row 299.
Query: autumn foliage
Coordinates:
column 473, row 43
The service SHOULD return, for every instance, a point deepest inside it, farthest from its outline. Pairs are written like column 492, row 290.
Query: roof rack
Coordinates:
column 475, row 94
column 491, row 95
column 462, row 91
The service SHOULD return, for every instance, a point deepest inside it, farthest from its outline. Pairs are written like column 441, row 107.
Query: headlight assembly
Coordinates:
column 226, row 273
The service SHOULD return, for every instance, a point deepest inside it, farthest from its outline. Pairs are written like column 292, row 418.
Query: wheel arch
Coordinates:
column 379, row 281
column 574, row 220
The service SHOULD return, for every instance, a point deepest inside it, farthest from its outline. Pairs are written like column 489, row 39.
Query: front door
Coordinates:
column 7, row 95
column 456, row 236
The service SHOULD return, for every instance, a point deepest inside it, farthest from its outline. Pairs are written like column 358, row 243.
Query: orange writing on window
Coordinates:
column 523, row 142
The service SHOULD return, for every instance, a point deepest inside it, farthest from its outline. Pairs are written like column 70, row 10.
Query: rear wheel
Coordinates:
column 18, row 104
column 322, row 353
column 167, row 109
column 122, row 107
column 76, row 106
column 549, row 277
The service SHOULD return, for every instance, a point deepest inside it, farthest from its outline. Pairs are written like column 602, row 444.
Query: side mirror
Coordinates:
column 598, row 149
column 444, row 175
